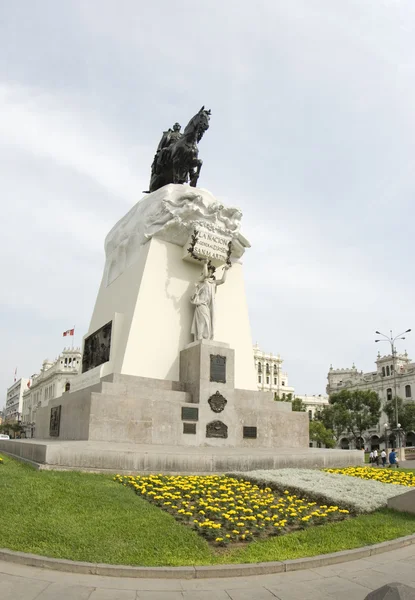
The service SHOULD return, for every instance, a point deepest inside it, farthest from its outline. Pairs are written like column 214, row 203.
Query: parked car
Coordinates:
column 3, row 436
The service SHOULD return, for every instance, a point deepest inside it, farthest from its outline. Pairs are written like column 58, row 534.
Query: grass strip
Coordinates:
column 89, row 517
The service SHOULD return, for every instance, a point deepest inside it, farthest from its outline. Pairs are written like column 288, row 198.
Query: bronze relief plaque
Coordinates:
column 216, row 429
column 55, row 421
column 217, row 402
column 97, row 348
column 218, row 368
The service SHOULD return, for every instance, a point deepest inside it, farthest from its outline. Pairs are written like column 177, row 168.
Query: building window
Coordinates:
column 388, row 371
column 310, row 415
column 267, row 379
column 391, row 369
column 67, row 386
column 259, row 368
column 282, row 382
column 408, row 393
column 267, row 368
column 389, row 394
column 259, row 379
column 275, row 381
column 383, row 372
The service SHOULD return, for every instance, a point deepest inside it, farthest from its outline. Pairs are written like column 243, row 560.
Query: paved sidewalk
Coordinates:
column 350, row 580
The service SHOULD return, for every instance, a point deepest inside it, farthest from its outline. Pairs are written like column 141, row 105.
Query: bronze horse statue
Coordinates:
column 176, row 159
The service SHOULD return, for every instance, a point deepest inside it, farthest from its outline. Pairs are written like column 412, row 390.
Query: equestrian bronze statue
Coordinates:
column 176, row 159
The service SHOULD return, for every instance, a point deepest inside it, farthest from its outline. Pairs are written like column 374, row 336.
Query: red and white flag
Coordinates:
column 69, row 332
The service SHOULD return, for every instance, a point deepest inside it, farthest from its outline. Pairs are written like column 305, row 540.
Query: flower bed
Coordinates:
column 357, row 495
column 226, row 509
column 376, row 474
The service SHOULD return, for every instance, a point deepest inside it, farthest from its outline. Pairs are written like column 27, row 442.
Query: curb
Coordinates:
column 203, row 572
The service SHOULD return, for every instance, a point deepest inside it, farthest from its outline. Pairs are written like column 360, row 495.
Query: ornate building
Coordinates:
column 53, row 380
column 385, row 380
column 270, row 377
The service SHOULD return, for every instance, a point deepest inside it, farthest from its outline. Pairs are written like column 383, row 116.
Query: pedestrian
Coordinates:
column 375, row 457
column 383, row 457
column 393, row 459
column 371, row 457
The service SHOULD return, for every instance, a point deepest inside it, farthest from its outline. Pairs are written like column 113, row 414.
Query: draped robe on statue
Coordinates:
column 203, row 324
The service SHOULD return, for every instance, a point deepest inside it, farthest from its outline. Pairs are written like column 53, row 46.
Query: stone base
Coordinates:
column 202, row 409
column 403, row 502
column 138, row 458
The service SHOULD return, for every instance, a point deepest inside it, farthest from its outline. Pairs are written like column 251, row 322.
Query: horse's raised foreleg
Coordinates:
column 195, row 171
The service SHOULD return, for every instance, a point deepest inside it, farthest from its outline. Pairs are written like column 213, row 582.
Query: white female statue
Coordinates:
column 203, row 325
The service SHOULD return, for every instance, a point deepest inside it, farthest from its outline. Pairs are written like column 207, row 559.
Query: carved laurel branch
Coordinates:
column 191, row 249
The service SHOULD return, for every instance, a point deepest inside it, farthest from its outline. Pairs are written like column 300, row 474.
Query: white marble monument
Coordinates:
column 167, row 359
column 148, row 286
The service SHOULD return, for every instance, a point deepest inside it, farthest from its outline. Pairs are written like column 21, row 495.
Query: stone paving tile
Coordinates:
column 20, row 588
column 257, row 593
column 300, row 591
column 205, row 595
column 113, row 594
column 396, row 569
column 56, row 591
column 159, row 595
column 337, row 586
column 374, row 579
column 221, row 583
column 338, row 569
column 386, row 557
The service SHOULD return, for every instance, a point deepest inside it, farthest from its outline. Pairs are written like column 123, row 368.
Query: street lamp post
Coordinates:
column 391, row 339
column 386, row 438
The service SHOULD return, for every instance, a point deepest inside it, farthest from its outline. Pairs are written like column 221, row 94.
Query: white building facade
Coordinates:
column 269, row 373
column 14, row 401
column 52, row 381
column 392, row 377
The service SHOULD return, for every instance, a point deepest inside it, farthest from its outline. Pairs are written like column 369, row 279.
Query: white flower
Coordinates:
column 358, row 495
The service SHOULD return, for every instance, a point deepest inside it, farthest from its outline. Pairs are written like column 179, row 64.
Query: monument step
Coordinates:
column 132, row 380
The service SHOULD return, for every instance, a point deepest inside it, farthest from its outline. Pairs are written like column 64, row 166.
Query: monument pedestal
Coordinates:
column 203, row 408
column 144, row 381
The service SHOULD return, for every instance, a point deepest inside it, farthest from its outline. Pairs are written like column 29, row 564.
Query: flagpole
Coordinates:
column 73, row 335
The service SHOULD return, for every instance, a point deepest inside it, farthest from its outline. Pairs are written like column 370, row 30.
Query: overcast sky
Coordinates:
column 312, row 134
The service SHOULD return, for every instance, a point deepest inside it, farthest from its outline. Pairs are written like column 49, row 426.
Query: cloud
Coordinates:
column 311, row 135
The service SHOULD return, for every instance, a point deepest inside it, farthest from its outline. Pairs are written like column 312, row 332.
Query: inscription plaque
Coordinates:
column 250, row 432
column 189, row 427
column 190, row 414
column 218, row 368
column 97, row 348
column 216, row 429
column 217, row 402
column 55, row 421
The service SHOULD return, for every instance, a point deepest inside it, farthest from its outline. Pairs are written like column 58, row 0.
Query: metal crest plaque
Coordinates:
column 189, row 427
column 216, row 429
column 218, row 368
column 217, row 402
column 97, row 348
column 250, row 432
column 190, row 413
column 55, row 421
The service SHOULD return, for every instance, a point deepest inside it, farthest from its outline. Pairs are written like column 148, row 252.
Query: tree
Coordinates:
column 363, row 409
column 406, row 413
column 319, row 434
column 297, row 405
column 334, row 417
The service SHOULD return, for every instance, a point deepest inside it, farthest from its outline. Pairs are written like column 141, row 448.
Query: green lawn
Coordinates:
column 89, row 517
